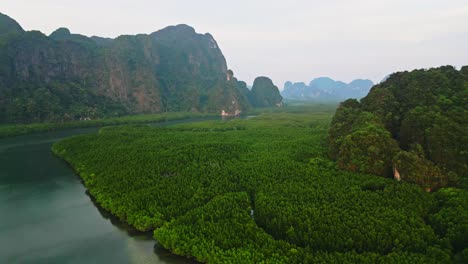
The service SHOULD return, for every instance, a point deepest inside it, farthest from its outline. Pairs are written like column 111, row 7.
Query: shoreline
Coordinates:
column 121, row 223
column 12, row 130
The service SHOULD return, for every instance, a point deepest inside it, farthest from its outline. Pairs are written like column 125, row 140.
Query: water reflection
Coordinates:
column 47, row 217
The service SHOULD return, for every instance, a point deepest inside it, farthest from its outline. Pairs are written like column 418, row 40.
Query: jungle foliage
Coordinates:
column 414, row 123
column 263, row 190
column 16, row 130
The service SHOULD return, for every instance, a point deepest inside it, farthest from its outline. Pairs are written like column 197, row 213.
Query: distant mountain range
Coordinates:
column 326, row 89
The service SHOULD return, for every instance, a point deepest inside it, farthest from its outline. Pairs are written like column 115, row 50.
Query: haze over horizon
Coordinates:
column 295, row 41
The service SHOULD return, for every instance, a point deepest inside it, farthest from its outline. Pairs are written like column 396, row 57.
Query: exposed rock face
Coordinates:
column 174, row 69
column 326, row 89
column 396, row 174
column 234, row 99
column 264, row 93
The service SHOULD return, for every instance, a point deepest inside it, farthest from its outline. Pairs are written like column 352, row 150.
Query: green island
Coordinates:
column 263, row 190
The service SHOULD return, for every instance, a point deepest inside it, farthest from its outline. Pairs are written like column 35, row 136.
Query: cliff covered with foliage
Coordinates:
column 413, row 126
column 264, row 93
column 68, row 76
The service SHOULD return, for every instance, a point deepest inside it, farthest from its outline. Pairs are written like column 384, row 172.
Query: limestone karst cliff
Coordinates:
column 264, row 93
column 68, row 76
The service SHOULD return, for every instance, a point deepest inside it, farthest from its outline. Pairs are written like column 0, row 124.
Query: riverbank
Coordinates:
column 24, row 129
column 48, row 217
column 12, row 130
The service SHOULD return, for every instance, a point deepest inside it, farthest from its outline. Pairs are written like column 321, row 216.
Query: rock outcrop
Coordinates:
column 265, row 94
column 66, row 76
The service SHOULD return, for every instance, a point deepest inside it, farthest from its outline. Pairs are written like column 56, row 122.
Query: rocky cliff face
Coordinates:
column 67, row 76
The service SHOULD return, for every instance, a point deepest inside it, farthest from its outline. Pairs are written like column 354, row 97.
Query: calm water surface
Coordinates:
column 47, row 217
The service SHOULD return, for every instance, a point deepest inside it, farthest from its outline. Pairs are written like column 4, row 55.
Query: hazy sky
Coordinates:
column 293, row 40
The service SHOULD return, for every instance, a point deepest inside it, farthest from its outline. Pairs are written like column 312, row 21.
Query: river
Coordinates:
column 47, row 217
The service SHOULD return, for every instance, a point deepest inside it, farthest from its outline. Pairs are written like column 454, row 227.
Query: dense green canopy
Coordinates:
column 263, row 190
column 425, row 112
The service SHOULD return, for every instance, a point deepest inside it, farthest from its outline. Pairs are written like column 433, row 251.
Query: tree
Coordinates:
column 416, row 169
column 369, row 149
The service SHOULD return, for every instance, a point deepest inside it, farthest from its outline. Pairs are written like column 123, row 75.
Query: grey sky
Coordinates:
column 293, row 40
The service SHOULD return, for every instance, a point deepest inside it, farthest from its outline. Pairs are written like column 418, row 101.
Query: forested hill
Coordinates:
column 264, row 93
column 414, row 126
column 68, row 76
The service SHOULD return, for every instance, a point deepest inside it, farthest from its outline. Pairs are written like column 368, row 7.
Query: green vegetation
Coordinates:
column 413, row 124
column 16, row 130
column 263, row 190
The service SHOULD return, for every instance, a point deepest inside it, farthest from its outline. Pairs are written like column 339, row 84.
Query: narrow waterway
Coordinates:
column 47, row 217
